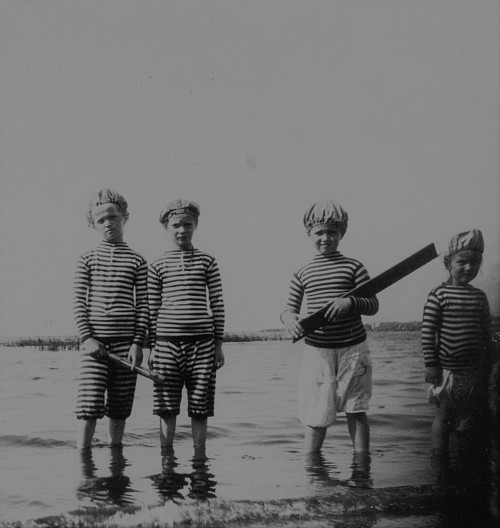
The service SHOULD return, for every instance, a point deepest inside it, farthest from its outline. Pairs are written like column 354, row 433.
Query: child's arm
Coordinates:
column 430, row 329
column 135, row 355
column 141, row 304
column 290, row 316
column 95, row 348
column 81, row 287
column 216, row 300
column 486, row 330
column 338, row 308
column 433, row 375
column 154, row 303
column 363, row 305
column 141, row 315
column 292, row 323
column 219, row 354
column 343, row 306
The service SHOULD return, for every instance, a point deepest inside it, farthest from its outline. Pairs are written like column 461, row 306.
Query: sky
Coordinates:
column 254, row 109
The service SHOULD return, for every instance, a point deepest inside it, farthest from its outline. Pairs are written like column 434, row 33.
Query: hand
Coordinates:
column 95, row 348
column 432, row 375
column 135, row 355
column 152, row 354
column 338, row 308
column 219, row 355
column 292, row 324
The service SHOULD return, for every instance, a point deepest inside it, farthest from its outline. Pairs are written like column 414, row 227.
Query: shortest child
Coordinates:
column 111, row 312
column 336, row 374
column 455, row 341
column 186, row 326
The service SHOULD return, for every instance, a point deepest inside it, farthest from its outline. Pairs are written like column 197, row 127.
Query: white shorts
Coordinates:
column 333, row 380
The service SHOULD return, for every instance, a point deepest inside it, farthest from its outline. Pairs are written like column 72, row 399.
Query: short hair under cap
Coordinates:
column 326, row 212
column 180, row 206
column 467, row 241
column 105, row 196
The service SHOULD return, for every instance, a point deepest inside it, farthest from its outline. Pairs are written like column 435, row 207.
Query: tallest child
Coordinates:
column 336, row 374
column 111, row 312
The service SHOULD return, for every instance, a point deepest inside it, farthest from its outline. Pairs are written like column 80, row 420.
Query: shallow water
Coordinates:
column 255, row 454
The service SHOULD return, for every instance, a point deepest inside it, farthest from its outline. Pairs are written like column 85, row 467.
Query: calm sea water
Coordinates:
column 256, row 472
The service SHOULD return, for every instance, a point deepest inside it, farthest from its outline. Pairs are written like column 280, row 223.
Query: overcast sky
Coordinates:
column 255, row 109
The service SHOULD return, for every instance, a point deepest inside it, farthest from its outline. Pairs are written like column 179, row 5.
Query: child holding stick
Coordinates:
column 111, row 312
column 336, row 373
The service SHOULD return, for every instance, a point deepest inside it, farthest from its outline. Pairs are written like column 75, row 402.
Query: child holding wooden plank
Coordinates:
column 336, row 373
column 111, row 312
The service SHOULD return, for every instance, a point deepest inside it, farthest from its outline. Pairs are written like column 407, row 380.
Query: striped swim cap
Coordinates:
column 326, row 212
column 467, row 241
column 180, row 206
column 105, row 196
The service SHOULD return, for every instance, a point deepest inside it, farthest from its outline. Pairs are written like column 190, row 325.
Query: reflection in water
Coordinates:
column 170, row 483
column 462, row 474
column 361, row 471
column 320, row 470
column 202, row 483
column 103, row 490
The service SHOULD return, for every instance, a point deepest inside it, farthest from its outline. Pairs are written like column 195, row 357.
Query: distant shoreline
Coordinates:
column 73, row 342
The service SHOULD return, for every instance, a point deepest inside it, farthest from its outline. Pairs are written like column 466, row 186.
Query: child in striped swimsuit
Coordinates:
column 111, row 312
column 186, row 327
column 336, row 373
column 455, row 342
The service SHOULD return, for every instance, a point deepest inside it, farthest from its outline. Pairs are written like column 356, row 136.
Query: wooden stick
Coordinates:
column 151, row 374
column 372, row 287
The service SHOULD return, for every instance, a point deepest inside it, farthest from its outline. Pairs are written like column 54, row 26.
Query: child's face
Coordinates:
column 181, row 228
column 325, row 238
column 109, row 222
column 464, row 266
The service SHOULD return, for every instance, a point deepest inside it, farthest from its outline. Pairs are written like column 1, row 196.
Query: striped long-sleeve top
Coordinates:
column 455, row 327
column 323, row 279
column 110, row 293
column 185, row 296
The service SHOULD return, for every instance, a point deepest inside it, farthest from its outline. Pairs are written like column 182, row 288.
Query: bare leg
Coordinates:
column 440, row 431
column 116, row 430
column 359, row 429
column 167, row 432
column 199, row 431
column 85, row 433
column 314, row 437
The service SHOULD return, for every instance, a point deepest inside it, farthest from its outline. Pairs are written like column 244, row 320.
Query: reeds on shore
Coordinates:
column 44, row 343
column 55, row 343
column 73, row 342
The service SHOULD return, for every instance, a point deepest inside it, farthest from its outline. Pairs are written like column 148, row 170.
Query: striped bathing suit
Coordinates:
column 100, row 377
column 188, row 362
column 110, row 305
column 455, row 327
column 323, row 279
column 186, row 317
column 455, row 338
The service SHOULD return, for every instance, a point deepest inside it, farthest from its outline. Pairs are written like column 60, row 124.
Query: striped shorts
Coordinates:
column 190, row 363
column 105, row 389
